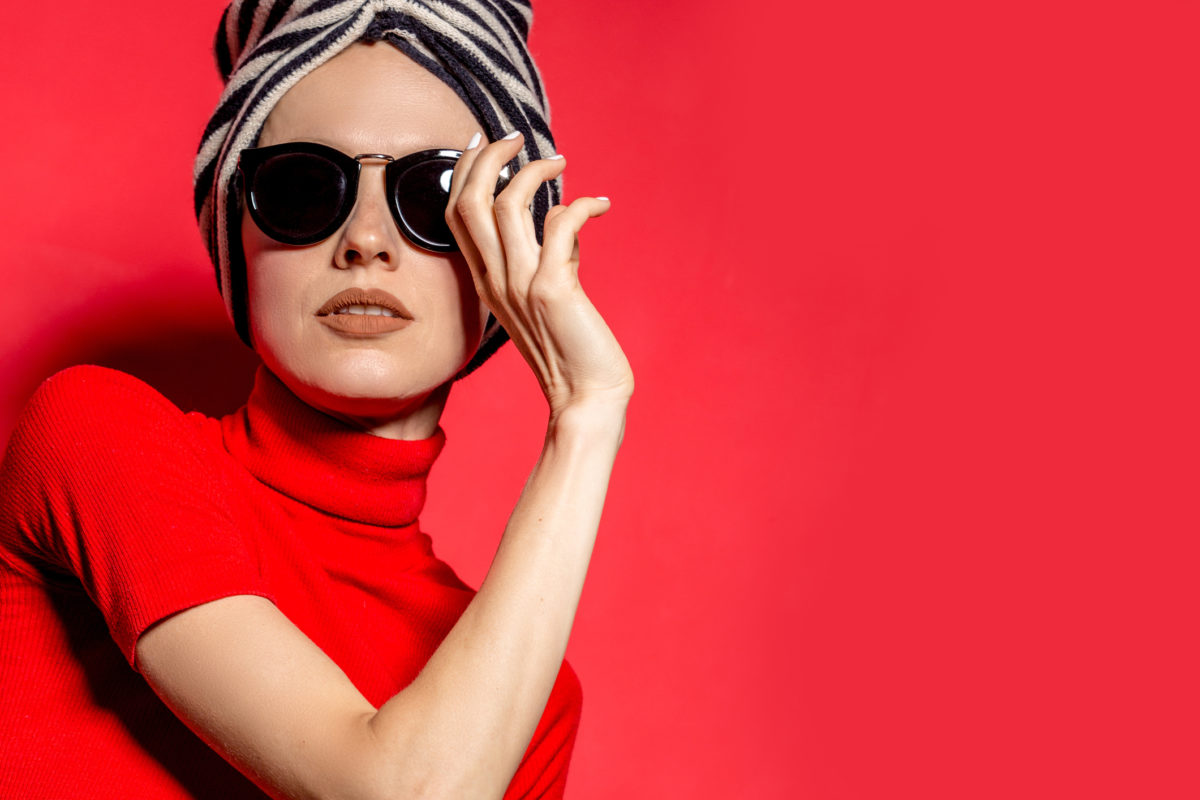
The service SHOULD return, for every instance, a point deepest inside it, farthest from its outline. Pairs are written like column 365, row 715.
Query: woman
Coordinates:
column 264, row 572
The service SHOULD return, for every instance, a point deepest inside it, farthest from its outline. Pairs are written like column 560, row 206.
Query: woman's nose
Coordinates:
column 369, row 236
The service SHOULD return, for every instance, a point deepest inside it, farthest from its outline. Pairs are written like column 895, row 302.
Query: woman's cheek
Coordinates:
column 473, row 313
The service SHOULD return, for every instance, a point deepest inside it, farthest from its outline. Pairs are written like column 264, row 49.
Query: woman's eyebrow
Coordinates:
column 392, row 150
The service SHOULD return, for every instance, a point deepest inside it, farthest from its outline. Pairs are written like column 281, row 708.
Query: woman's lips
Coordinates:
column 364, row 311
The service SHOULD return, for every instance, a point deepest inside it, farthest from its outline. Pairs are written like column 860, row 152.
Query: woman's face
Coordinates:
column 370, row 98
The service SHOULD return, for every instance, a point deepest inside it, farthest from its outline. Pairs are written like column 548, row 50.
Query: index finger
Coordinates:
column 472, row 194
column 462, row 236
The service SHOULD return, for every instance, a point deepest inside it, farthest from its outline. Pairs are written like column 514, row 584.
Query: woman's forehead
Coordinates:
column 371, row 98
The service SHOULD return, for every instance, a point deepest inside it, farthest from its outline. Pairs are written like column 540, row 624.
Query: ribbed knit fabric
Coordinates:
column 117, row 510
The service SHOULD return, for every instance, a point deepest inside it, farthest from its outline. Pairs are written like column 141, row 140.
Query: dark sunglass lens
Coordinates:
column 421, row 194
column 298, row 195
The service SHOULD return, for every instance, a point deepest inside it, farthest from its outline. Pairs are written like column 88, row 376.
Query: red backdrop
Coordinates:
column 906, row 503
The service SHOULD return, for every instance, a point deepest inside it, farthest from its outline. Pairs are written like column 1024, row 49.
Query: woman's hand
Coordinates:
column 534, row 290
column 257, row 689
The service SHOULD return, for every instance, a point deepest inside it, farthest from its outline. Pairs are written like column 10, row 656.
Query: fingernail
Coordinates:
column 474, row 140
column 513, row 135
column 554, row 157
column 602, row 197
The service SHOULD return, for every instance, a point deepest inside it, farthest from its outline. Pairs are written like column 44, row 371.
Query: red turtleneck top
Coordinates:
column 117, row 510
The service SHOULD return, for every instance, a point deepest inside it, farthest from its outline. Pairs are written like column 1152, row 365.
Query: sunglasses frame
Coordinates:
column 253, row 158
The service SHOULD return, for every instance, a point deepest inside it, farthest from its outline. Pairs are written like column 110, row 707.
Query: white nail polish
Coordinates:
column 474, row 141
column 513, row 135
column 602, row 197
column 554, row 157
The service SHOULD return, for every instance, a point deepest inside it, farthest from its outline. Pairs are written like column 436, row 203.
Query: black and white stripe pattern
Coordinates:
column 263, row 47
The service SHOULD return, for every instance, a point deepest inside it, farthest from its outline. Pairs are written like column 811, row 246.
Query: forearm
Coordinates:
column 267, row 697
column 259, row 691
column 473, row 709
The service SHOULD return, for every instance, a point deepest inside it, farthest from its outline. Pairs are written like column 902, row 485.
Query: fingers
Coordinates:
column 563, row 223
column 458, row 212
column 473, row 197
column 514, row 220
column 496, row 232
column 466, row 244
column 533, row 289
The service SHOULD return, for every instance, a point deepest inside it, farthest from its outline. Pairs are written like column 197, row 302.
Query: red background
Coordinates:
column 906, row 503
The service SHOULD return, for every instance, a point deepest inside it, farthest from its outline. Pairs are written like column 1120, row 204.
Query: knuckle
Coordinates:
column 516, row 297
column 507, row 206
column 469, row 199
column 547, row 290
column 462, row 207
column 568, row 218
column 495, row 283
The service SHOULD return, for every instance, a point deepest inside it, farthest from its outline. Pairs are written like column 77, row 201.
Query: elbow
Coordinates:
column 377, row 783
column 410, row 786
column 405, row 770
column 419, row 782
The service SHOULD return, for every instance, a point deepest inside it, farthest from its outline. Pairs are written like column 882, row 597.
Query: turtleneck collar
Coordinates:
column 326, row 464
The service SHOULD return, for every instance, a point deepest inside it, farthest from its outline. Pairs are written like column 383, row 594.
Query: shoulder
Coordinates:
column 108, row 483
column 94, row 447
column 98, row 416
column 88, row 389
column 91, row 404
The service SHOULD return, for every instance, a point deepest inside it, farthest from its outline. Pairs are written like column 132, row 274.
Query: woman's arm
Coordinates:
column 259, row 691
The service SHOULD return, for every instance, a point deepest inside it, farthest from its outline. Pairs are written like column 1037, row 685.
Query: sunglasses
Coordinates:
column 301, row 192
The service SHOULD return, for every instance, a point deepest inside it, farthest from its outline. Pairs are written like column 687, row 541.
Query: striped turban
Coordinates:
column 264, row 47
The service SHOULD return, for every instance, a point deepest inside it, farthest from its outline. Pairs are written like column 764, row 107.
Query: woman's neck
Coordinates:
column 413, row 419
column 417, row 422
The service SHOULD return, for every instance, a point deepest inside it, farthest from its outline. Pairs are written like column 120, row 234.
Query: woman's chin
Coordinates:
column 367, row 394
column 375, row 397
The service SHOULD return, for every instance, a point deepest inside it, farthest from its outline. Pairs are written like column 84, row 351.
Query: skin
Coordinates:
column 390, row 385
column 236, row 670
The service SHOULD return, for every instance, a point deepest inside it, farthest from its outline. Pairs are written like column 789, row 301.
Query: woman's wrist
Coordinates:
column 588, row 422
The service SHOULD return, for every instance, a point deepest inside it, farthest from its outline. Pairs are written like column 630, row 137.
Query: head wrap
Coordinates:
column 264, row 47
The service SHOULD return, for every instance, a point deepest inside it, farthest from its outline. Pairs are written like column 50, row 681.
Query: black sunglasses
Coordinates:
column 301, row 192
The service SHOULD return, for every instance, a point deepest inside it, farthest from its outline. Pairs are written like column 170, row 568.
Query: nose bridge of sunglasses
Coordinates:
column 372, row 176
column 375, row 162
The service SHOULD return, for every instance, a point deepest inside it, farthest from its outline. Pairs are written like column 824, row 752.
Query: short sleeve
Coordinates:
column 106, row 479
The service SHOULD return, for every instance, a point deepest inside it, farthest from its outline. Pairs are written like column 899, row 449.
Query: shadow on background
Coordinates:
column 180, row 347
